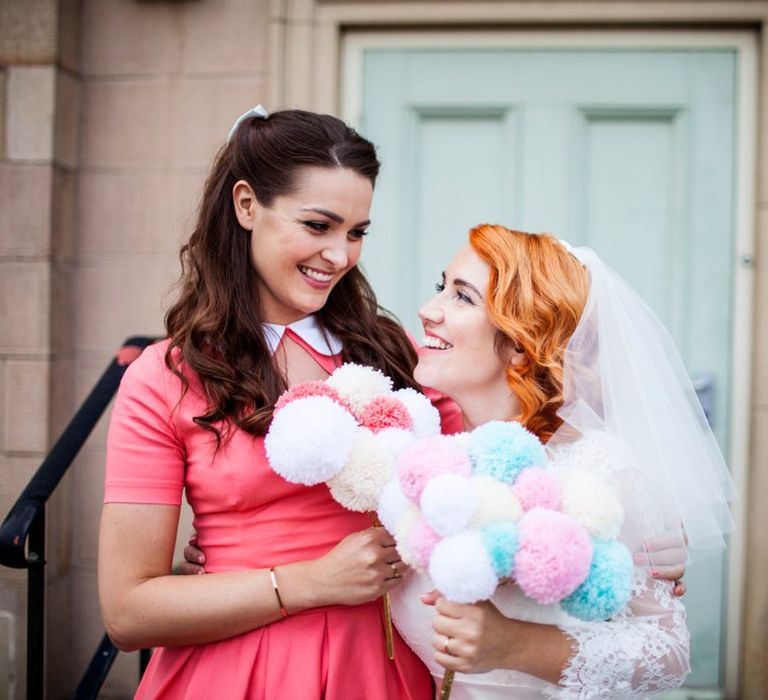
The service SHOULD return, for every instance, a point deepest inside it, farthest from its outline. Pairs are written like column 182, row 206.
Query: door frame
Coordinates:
column 355, row 43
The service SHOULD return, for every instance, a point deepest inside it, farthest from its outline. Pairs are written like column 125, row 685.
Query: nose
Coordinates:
column 432, row 311
column 336, row 253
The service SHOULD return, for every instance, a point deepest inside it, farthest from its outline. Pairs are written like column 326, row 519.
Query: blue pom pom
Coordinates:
column 502, row 449
column 608, row 586
column 501, row 541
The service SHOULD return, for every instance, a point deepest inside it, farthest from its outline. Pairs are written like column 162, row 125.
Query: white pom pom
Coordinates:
column 357, row 384
column 592, row 501
column 310, row 439
column 394, row 440
column 461, row 569
column 495, row 502
column 393, row 505
column 369, row 467
column 448, row 502
column 425, row 417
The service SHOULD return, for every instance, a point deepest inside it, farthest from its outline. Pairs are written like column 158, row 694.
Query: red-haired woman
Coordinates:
column 270, row 296
column 525, row 327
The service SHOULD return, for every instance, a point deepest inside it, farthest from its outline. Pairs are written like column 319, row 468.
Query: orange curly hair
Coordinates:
column 536, row 294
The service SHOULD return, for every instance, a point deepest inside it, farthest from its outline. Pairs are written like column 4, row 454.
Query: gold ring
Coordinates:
column 445, row 645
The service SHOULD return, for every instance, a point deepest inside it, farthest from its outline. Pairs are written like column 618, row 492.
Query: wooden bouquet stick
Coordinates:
column 445, row 688
column 388, row 633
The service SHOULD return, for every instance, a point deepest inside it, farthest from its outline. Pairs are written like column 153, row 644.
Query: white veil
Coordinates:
column 623, row 376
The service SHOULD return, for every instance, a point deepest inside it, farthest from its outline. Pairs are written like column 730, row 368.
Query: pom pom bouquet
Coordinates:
column 477, row 509
column 348, row 431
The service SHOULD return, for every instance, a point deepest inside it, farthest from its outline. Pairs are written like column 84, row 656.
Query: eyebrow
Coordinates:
column 333, row 216
column 457, row 282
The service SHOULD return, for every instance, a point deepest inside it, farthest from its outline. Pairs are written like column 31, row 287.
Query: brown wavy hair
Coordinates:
column 536, row 294
column 215, row 324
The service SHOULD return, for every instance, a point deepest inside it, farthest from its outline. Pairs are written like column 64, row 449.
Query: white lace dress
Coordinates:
column 640, row 651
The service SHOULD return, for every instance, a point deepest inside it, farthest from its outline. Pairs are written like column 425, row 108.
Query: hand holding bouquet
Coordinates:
column 348, row 431
column 474, row 510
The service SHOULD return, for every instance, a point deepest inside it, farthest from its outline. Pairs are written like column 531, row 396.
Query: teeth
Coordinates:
column 430, row 341
column 315, row 275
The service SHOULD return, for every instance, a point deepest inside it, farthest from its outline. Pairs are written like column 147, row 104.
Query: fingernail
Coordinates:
column 200, row 573
column 201, row 559
column 640, row 558
column 654, row 572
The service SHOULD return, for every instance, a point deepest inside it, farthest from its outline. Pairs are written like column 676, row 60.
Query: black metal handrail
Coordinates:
column 22, row 534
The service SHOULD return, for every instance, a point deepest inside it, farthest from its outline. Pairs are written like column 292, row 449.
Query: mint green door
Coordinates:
column 628, row 151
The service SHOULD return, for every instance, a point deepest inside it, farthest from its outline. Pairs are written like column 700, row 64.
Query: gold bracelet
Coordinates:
column 283, row 611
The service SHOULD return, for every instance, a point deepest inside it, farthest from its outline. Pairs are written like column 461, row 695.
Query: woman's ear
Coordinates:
column 247, row 207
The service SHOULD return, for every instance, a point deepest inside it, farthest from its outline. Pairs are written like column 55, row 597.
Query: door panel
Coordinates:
column 628, row 151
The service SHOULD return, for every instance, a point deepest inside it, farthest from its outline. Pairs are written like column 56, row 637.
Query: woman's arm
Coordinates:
column 642, row 650
column 143, row 605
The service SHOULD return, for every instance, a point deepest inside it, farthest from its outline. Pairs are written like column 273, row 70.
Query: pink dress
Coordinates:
column 247, row 517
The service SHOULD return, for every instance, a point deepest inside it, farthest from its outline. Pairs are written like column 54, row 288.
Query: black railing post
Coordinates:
column 36, row 607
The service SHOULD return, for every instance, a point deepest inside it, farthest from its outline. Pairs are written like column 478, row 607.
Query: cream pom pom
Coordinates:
column 448, row 502
column 425, row 417
column 402, row 532
column 394, row 505
column 496, row 502
column 357, row 384
column 461, row 569
column 310, row 440
column 592, row 501
column 361, row 480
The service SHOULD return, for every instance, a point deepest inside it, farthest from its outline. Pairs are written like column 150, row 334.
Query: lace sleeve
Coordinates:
column 643, row 649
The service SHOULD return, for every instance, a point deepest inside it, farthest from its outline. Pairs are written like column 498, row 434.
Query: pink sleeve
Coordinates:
column 450, row 414
column 145, row 458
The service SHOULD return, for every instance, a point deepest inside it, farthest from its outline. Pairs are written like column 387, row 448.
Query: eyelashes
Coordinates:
column 461, row 295
column 323, row 227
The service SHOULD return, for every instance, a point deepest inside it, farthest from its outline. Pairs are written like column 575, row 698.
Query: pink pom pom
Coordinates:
column 384, row 412
column 426, row 458
column 537, row 488
column 310, row 388
column 421, row 541
column 554, row 556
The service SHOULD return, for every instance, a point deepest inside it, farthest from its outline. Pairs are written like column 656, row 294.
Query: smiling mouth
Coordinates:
column 315, row 275
column 434, row 343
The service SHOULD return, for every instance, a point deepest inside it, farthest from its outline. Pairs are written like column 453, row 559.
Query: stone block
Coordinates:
column 225, row 37
column 88, row 496
column 69, row 34
column 25, row 212
column 26, row 406
column 28, row 31
column 30, row 104
column 17, row 471
column 24, row 307
column 64, row 229
column 67, row 127
column 124, row 37
column 120, row 297
column 133, row 212
column 215, row 103
column 126, row 123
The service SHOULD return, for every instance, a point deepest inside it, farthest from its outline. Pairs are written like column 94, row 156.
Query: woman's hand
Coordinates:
column 472, row 638
column 362, row 567
column 665, row 555
column 479, row 638
column 194, row 558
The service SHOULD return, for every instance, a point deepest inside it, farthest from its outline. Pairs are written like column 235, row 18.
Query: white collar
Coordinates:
column 309, row 330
